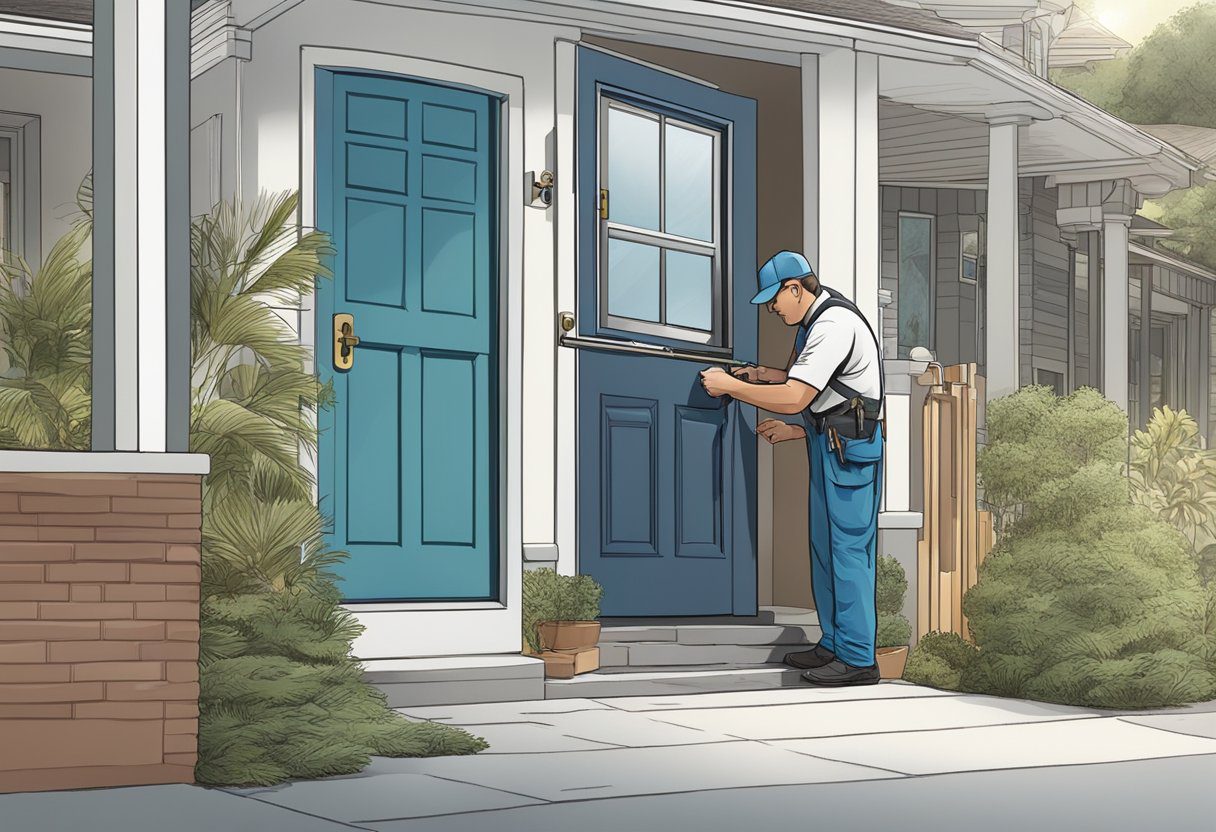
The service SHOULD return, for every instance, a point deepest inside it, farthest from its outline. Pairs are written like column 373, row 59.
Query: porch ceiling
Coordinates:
column 68, row 11
column 934, row 127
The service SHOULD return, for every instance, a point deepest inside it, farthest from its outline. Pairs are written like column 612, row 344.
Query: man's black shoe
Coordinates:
column 805, row 660
column 838, row 674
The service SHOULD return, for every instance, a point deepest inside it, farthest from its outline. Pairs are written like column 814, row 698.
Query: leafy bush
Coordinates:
column 1174, row 476
column 939, row 661
column 1087, row 599
column 894, row 630
column 280, row 694
column 46, row 321
column 548, row 596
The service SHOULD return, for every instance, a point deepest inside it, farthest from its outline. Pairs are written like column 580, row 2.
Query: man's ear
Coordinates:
column 797, row 291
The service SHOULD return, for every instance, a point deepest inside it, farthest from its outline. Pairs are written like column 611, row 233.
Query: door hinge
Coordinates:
column 603, row 203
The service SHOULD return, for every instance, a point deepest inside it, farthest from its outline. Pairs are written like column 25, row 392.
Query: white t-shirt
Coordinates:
column 837, row 332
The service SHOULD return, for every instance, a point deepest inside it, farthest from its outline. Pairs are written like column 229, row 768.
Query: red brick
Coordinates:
column 147, row 521
column 158, row 505
column 167, row 610
column 135, row 630
column 37, row 673
column 19, row 533
column 23, row 651
column 14, row 572
column 149, row 535
column 187, row 760
column 73, row 611
column 93, row 651
column 12, row 552
column 120, row 671
column 14, row 518
column 169, row 651
column 8, row 502
column 181, row 671
column 33, row 592
column 66, row 534
column 83, row 742
column 120, row 551
column 86, row 593
column 170, row 573
column 185, row 521
column 13, row 610
column 86, row 572
column 182, row 630
column 120, row 710
column 40, row 694
column 140, row 691
column 171, row 490
column 181, row 710
column 76, row 504
column 184, row 554
column 181, row 726
column 87, row 485
column 135, row 592
column 49, row 630
column 181, row 743
column 182, row 592
column 56, row 711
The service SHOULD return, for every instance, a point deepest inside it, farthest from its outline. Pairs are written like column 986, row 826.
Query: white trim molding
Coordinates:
column 215, row 36
column 405, row 629
column 101, row 462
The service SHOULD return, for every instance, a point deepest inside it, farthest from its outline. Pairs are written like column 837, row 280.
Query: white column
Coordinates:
column 867, row 240
column 141, row 231
column 837, row 168
column 810, row 161
column 1115, row 307
column 1001, row 310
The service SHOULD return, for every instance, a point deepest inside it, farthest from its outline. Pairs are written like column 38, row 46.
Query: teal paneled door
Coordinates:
column 407, row 186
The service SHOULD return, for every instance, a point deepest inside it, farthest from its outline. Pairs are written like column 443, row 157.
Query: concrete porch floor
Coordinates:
column 891, row 755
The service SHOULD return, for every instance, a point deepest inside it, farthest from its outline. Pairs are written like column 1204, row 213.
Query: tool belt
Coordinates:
column 854, row 419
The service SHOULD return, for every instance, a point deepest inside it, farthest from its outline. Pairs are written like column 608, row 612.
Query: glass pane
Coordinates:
column 633, row 169
column 971, row 244
column 689, row 290
column 915, row 268
column 633, row 280
column 690, row 183
column 970, row 268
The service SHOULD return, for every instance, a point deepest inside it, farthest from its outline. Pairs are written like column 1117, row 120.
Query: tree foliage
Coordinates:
column 281, row 696
column 1088, row 598
column 891, row 583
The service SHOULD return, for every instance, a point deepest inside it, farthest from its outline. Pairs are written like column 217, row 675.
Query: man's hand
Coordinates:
column 759, row 375
column 717, row 382
column 774, row 430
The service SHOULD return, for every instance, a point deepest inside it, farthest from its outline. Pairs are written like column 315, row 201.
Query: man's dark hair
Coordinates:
column 811, row 284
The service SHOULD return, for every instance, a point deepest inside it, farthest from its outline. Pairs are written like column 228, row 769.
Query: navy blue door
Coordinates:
column 667, row 259
column 407, row 186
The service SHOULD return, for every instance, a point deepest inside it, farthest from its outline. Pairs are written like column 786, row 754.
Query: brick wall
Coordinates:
column 99, row 603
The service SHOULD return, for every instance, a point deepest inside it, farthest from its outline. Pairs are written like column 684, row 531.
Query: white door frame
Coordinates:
column 413, row 629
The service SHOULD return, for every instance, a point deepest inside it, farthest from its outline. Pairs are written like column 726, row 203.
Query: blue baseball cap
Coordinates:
column 782, row 266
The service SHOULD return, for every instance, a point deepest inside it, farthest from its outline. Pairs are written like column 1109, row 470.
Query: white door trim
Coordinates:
column 402, row 630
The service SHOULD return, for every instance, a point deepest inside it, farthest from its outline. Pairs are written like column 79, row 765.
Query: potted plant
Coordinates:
column 560, row 619
column 894, row 630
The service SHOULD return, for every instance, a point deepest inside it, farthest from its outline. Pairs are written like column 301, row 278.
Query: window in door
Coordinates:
column 661, row 228
column 915, row 276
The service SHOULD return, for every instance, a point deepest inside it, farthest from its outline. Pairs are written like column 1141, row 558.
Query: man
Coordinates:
column 834, row 378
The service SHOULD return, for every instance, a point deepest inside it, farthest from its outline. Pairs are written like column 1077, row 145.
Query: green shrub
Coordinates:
column 1087, row 599
column 939, row 660
column 894, row 630
column 1174, row 476
column 548, row 596
column 280, row 694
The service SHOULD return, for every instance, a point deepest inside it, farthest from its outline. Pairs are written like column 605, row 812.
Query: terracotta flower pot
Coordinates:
column 891, row 661
column 568, row 635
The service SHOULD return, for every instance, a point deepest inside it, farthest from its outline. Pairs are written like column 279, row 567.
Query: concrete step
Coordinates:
column 661, row 681
column 700, row 634
column 682, row 645
column 455, row 680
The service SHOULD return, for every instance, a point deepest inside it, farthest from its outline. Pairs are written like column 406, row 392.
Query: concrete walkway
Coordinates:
column 854, row 759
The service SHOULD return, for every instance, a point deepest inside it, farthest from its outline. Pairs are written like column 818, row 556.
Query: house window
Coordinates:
column 6, row 194
column 915, row 276
column 19, row 186
column 661, row 234
column 1050, row 378
column 969, row 256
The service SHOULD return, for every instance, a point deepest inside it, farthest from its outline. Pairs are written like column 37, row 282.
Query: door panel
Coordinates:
column 666, row 474
column 407, row 187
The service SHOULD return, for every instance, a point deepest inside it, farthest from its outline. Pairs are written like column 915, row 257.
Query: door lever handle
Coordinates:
column 345, row 341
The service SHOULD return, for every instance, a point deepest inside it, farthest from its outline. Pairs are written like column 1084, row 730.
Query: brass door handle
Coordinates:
column 345, row 341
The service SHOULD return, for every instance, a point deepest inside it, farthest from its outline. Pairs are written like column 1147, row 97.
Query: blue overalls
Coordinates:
column 843, row 515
